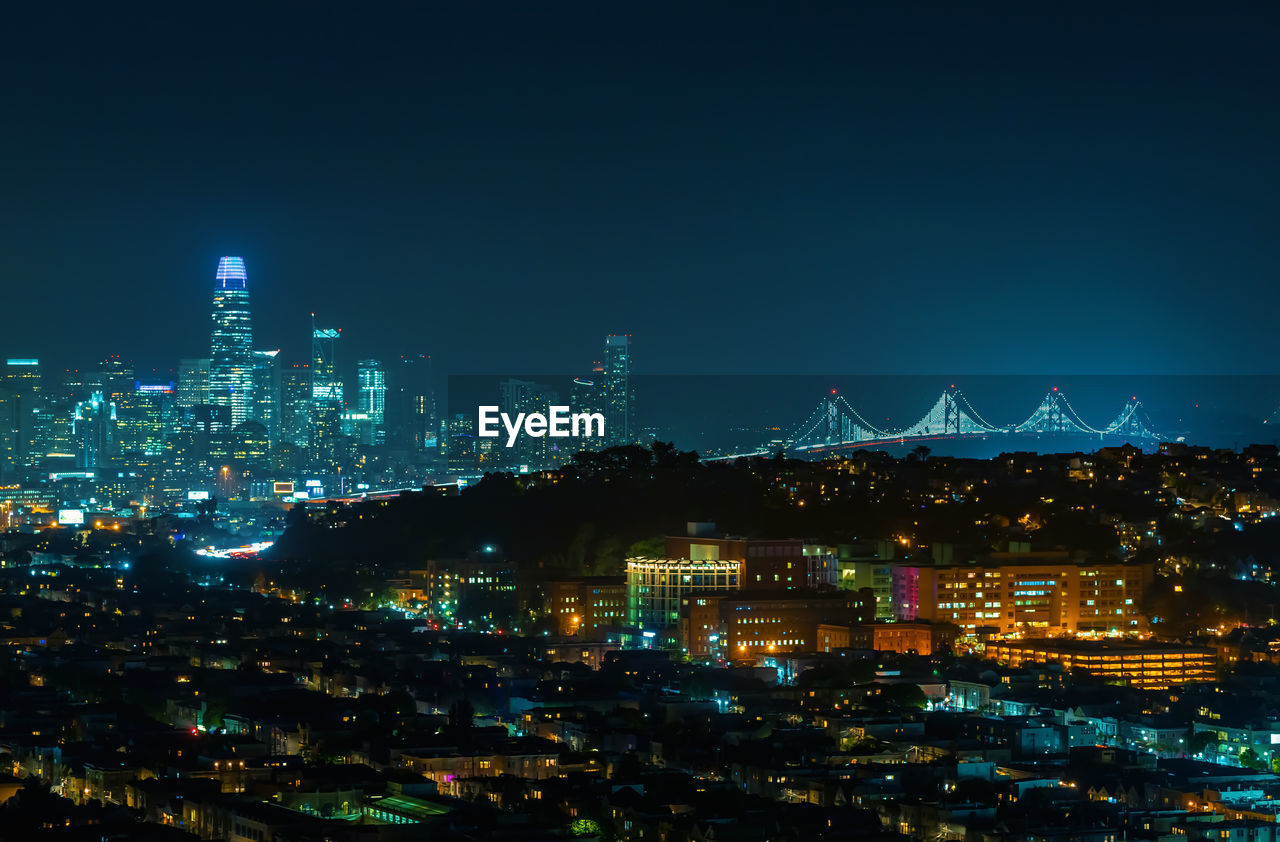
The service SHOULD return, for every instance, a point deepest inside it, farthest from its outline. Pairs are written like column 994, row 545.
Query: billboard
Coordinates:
column 71, row 517
column 197, row 495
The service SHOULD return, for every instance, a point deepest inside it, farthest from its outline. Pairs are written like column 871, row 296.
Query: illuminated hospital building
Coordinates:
column 1038, row 597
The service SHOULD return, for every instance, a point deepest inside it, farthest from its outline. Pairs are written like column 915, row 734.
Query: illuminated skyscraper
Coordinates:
column 585, row 395
column 458, row 442
column 372, row 382
column 95, row 431
column 295, row 405
column 54, row 428
column 266, row 392
column 617, row 399
column 114, row 377
column 326, row 396
column 21, row 397
column 231, row 348
column 193, row 383
column 144, row 416
column 326, row 387
column 525, row 396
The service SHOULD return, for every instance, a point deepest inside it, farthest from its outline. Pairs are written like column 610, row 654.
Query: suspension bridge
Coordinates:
column 835, row 424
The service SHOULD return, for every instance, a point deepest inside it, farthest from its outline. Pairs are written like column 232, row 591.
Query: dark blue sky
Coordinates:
column 745, row 187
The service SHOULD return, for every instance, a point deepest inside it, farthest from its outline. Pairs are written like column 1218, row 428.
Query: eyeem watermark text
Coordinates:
column 557, row 422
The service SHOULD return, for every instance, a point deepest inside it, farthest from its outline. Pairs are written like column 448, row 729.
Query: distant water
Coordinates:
column 733, row 413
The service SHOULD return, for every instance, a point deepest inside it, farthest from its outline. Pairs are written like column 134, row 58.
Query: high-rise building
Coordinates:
column 411, row 417
column 326, row 397
column 10, row 439
column 114, row 377
column 23, row 374
column 326, row 386
column 231, row 344
column 55, row 421
column 193, row 383
column 295, row 405
column 523, row 397
column 266, row 391
column 94, row 427
column 45, row 426
column 458, row 442
column 21, row 397
column 616, row 394
column 329, row 446
column 371, row 379
column 249, row 447
column 144, row 417
column 585, row 395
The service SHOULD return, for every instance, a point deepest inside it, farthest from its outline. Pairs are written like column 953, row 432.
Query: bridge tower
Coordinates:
column 950, row 412
column 832, row 419
column 1055, row 421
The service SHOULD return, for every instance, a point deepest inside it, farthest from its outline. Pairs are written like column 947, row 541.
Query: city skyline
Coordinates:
column 655, row 422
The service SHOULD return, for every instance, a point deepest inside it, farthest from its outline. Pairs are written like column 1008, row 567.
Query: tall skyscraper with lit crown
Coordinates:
column 231, row 346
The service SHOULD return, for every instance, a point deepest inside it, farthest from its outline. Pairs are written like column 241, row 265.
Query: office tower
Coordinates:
column 23, row 375
column 326, row 386
column 114, row 377
column 616, row 394
column 326, row 430
column 411, row 405
column 458, row 442
column 372, row 382
column 193, row 383
column 44, row 423
column 525, row 396
column 357, row 425
column 326, row 397
column 55, row 423
column 266, row 391
column 10, row 439
column 21, row 397
column 212, row 418
column 250, row 447
column 231, row 343
column 94, row 428
column 585, row 395
column 74, row 386
column 144, row 417
column 295, row 405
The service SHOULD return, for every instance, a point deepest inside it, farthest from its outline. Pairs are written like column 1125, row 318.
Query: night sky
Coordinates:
column 745, row 187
